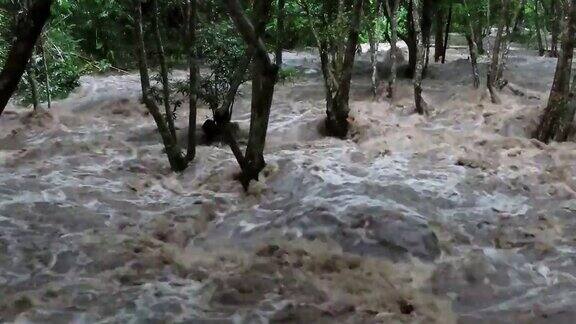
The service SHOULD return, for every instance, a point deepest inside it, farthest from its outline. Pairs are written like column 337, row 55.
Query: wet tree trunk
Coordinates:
column 472, row 47
column 558, row 116
column 555, row 28
column 439, row 34
column 177, row 161
column 31, row 76
column 28, row 29
column 264, row 79
column 541, row 50
column 163, row 68
column 506, row 43
column 337, row 106
column 374, row 41
column 418, row 74
column 47, row 73
column 280, row 17
column 392, row 9
column 426, row 26
column 194, row 78
column 496, row 48
column 447, row 34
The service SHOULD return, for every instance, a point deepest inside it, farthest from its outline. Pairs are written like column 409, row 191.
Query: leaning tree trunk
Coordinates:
column 439, row 33
column 28, row 29
column 392, row 13
column 163, row 69
column 264, row 79
column 496, row 48
column 177, row 161
column 559, row 113
column 472, row 48
column 194, row 80
column 418, row 74
column 46, row 72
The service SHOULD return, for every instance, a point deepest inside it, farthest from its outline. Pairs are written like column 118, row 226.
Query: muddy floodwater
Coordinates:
column 457, row 216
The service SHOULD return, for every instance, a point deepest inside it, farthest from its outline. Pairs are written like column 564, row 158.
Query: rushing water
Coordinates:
column 457, row 216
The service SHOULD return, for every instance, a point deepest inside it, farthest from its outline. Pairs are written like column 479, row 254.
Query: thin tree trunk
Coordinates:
column 163, row 69
column 472, row 48
column 280, row 17
column 559, row 113
column 47, row 73
column 392, row 11
column 194, row 80
column 420, row 104
column 28, row 29
column 31, row 76
column 447, row 34
column 555, row 30
column 264, row 79
column 506, row 44
column 177, row 161
column 541, row 50
column 374, row 43
column 497, row 47
column 439, row 34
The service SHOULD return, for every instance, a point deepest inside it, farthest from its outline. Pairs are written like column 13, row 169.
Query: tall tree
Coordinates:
column 558, row 116
column 173, row 151
column 472, row 47
column 28, row 28
column 392, row 10
column 417, row 8
column 280, row 17
column 496, row 48
column 194, row 78
column 264, row 77
column 439, row 33
column 337, row 54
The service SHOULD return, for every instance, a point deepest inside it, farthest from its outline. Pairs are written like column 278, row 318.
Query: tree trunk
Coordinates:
column 496, row 48
column 177, row 161
column 426, row 26
column 439, row 34
column 392, row 11
column 163, row 69
column 194, row 80
column 411, row 41
column 419, row 101
column 555, row 28
column 506, row 43
column 472, row 47
column 447, row 34
column 559, row 113
column 31, row 76
column 541, row 50
column 280, row 17
column 28, row 29
column 47, row 73
column 374, row 40
column 264, row 79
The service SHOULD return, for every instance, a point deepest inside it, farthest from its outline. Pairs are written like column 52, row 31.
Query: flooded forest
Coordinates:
column 287, row 161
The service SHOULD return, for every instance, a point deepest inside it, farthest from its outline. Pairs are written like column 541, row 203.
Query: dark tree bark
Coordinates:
column 194, row 80
column 426, row 25
column 558, row 116
column 392, row 9
column 280, row 17
column 46, row 72
column 163, row 69
column 418, row 74
column 173, row 152
column 264, row 77
column 541, row 50
column 439, row 34
column 447, row 34
column 556, row 17
column 28, row 29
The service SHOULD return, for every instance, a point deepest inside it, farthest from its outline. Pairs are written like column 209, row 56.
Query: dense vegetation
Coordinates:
column 232, row 38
